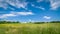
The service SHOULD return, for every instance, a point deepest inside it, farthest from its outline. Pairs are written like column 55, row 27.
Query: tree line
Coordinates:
column 47, row 22
column 8, row 22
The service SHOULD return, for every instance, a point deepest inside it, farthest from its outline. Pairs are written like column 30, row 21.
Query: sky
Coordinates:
column 30, row 10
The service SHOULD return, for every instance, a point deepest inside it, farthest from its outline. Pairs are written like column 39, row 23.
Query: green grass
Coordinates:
column 47, row 28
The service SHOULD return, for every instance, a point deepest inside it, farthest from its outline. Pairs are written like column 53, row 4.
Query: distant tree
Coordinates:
column 18, row 22
column 38, row 22
column 29, row 22
column 55, row 22
column 2, row 22
column 7, row 22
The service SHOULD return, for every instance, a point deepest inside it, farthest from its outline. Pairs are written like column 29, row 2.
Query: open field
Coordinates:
column 47, row 28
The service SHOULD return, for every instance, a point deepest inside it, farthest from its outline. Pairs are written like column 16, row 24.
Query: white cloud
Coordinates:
column 40, row 8
column 39, row 0
column 15, row 3
column 11, row 8
column 23, row 13
column 13, row 14
column 47, row 17
column 3, row 4
column 55, row 4
column 19, row 5
column 6, row 15
column 33, row 5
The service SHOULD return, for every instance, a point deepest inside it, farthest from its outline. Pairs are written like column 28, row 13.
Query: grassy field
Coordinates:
column 47, row 28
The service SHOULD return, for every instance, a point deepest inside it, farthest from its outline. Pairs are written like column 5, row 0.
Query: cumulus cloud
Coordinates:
column 13, row 14
column 55, row 4
column 47, row 17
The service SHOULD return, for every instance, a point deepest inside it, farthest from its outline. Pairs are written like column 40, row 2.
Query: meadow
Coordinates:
column 46, row 28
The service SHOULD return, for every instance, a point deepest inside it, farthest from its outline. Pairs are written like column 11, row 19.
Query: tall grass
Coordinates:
column 48, row 28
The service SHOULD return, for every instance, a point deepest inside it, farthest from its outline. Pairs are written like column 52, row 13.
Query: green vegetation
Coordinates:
column 46, row 28
column 15, row 22
column 8, row 22
column 8, row 27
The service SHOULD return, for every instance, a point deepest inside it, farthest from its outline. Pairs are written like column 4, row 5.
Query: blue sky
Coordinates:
column 30, row 10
